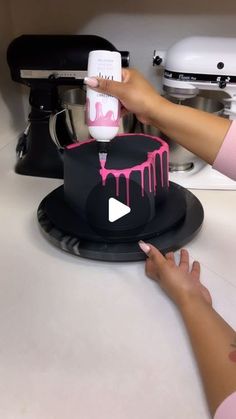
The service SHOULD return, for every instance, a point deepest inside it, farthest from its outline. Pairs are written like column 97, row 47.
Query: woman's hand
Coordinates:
column 134, row 92
column 180, row 282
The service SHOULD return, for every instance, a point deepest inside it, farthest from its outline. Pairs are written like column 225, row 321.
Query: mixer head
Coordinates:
column 54, row 59
column 199, row 63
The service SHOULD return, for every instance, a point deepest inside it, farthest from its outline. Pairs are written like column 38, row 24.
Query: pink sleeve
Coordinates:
column 225, row 161
column 227, row 409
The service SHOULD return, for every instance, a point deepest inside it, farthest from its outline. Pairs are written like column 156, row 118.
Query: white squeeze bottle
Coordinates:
column 103, row 111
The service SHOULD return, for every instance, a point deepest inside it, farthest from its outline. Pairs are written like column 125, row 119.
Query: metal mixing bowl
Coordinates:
column 74, row 101
column 180, row 158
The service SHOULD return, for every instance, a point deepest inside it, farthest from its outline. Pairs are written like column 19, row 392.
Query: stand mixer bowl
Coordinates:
column 180, row 158
column 73, row 102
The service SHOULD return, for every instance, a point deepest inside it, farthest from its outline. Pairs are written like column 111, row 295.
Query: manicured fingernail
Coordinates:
column 144, row 247
column 91, row 81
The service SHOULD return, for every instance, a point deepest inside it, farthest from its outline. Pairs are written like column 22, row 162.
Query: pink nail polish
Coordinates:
column 91, row 81
column 144, row 247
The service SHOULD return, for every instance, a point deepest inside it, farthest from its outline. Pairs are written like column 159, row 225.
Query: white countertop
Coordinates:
column 96, row 340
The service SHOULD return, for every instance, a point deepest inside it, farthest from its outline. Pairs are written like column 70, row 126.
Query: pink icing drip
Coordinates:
column 127, row 191
column 142, row 182
column 117, row 186
column 150, row 179
column 162, row 178
column 107, row 120
column 149, row 164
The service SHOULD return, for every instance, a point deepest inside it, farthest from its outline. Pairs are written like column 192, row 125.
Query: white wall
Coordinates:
column 139, row 27
column 142, row 33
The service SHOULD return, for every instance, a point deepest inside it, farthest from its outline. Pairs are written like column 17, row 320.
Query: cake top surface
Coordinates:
column 125, row 151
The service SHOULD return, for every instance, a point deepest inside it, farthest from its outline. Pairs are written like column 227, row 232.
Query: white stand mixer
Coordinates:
column 191, row 65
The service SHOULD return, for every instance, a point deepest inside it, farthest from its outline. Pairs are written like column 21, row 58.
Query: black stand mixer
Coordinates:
column 44, row 63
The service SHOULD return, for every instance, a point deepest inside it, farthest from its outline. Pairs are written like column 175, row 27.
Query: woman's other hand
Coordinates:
column 181, row 282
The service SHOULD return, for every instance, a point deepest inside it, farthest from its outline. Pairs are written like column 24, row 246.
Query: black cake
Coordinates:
column 76, row 215
column 135, row 173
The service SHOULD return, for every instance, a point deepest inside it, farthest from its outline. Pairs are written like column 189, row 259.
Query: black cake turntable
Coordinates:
column 75, row 216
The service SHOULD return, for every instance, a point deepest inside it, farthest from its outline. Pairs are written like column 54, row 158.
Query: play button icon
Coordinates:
column 117, row 210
